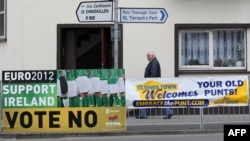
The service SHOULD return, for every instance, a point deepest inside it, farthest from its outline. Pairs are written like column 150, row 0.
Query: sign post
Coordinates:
column 143, row 15
column 116, row 49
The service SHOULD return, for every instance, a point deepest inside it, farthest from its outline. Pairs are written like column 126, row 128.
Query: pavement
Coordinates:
column 130, row 131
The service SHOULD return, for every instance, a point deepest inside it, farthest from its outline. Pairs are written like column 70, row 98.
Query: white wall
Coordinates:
column 11, row 52
column 31, row 30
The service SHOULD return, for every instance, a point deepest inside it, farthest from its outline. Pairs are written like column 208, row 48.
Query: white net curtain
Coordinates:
column 195, row 48
column 228, row 47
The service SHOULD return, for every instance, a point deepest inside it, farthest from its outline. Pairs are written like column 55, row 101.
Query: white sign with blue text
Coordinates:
column 101, row 11
column 143, row 15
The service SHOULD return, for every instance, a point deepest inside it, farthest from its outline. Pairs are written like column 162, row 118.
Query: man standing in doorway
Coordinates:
column 153, row 69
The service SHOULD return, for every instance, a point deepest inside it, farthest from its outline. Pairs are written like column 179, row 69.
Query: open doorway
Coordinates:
column 86, row 47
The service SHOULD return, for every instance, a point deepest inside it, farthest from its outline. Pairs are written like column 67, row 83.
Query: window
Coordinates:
column 2, row 19
column 212, row 49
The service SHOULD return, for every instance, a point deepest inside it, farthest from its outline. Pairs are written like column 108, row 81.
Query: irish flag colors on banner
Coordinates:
column 63, row 101
column 187, row 92
column 31, row 89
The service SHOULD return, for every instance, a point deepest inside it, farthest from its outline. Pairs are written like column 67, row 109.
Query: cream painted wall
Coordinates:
column 11, row 52
column 31, row 30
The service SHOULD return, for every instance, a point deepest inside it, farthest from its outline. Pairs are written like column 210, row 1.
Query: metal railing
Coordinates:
column 200, row 117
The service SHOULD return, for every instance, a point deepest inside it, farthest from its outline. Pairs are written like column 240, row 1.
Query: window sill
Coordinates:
column 3, row 39
column 212, row 72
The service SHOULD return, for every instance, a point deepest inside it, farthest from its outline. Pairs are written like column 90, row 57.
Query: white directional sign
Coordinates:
column 95, row 11
column 143, row 15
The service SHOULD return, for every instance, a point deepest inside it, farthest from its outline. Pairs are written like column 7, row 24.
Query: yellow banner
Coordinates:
column 191, row 92
column 92, row 119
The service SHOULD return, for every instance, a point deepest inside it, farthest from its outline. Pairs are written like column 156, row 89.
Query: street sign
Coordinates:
column 143, row 15
column 95, row 11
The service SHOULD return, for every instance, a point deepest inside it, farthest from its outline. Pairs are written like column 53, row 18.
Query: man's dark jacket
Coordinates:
column 153, row 69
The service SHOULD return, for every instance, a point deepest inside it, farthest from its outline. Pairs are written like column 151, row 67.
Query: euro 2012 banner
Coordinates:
column 75, row 100
column 187, row 92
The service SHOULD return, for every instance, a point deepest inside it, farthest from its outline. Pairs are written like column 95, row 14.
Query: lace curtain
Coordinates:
column 228, row 47
column 195, row 48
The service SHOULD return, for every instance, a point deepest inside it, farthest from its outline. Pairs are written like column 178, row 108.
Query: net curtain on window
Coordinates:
column 228, row 46
column 195, row 48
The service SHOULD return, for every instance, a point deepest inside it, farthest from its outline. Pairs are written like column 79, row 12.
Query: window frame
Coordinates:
column 194, row 67
column 210, row 66
column 4, row 13
column 207, row 69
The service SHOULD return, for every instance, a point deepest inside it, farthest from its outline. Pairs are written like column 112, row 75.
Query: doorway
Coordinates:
column 86, row 47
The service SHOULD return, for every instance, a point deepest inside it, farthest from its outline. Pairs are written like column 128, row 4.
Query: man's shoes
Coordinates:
column 141, row 117
column 168, row 117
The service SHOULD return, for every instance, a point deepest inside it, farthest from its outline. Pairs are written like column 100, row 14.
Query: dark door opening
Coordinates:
column 97, row 52
column 85, row 48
